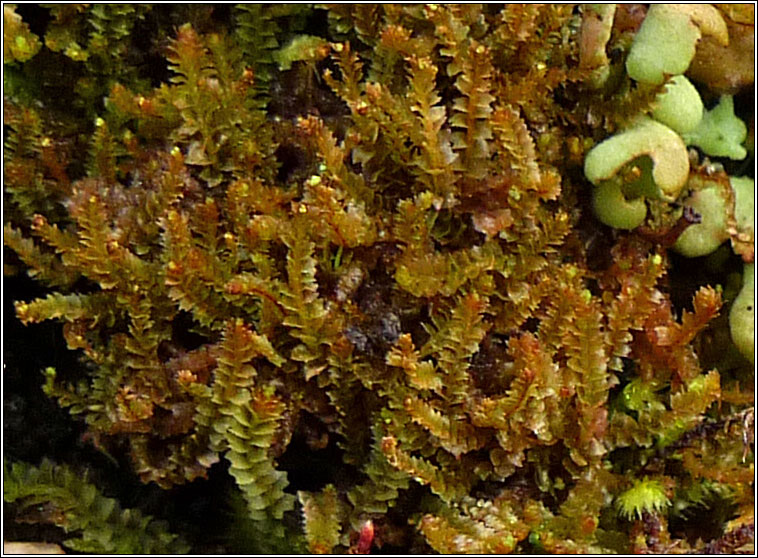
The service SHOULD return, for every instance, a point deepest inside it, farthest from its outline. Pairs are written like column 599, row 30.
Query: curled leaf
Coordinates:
column 645, row 138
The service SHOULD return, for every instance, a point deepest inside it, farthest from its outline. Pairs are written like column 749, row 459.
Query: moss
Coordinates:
column 19, row 43
column 359, row 296
column 62, row 497
column 646, row 496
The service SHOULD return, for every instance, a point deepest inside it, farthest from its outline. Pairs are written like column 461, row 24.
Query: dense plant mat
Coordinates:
column 379, row 278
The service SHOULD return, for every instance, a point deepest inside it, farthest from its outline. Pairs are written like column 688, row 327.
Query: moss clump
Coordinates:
column 61, row 496
column 332, row 274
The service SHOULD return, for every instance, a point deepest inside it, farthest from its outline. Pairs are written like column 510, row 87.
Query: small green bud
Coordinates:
column 644, row 496
column 22, row 44
column 586, row 296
